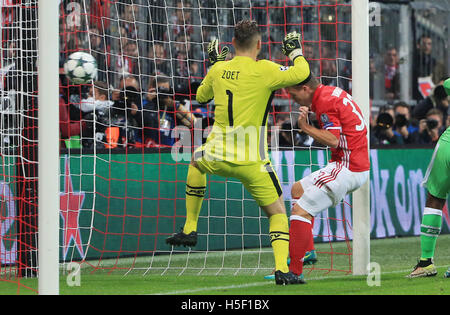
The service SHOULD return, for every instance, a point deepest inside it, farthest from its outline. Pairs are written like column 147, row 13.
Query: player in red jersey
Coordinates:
column 343, row 129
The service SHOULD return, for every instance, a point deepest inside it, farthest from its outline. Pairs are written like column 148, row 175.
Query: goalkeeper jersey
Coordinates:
column 243, row 89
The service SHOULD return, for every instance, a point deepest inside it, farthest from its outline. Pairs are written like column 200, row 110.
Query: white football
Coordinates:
column 81, row 68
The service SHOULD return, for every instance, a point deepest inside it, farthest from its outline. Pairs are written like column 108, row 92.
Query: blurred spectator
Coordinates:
column 196, row 72
column 128, row 21
column 99, row 14
column 128, row 111
column 127, row 61
column 180, row 65
column 284, row 127
column 158, row 62
column 8, row 71
column 124, row 83
column 405, row 130
column 129, row 108
column 70, row 39
column 181, row 50
column 181, row 21
column 383, row 132
column 122, row 57
column 427, row 71
column 130, row 57
column 130, row 80
column 391, row 74
column 313, row 60
column 431, row 128
column 438, row 99
column 99, row 51
column 91, row 108
column 388, row 109
column 97, row 100
column 169, row 113
column 329, row 72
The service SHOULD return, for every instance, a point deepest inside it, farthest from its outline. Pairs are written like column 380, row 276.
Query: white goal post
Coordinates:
column 360, row 92
column 48, row 148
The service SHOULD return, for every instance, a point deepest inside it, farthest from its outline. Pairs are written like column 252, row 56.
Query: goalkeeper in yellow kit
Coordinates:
column 242, row 89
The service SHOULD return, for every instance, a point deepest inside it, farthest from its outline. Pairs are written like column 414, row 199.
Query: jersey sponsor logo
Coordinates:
column 284, row 68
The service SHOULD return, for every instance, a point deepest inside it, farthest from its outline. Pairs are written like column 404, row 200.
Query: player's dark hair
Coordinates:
column 245, row 33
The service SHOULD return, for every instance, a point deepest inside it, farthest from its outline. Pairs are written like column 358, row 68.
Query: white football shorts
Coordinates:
column 328, row 186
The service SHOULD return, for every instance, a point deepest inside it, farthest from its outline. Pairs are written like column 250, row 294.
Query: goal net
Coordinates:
column 123, row 170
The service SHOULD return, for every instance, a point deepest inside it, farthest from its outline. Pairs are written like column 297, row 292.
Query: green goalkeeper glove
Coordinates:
column 292, row 46
column 213, row 52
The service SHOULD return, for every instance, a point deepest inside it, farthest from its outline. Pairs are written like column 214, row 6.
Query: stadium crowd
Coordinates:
column 145, row 88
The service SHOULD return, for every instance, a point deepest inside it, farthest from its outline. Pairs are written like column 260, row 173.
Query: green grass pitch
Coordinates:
column 395, row 256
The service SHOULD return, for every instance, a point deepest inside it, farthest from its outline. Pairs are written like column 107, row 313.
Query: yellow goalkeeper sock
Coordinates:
column 195, row 192
column 279, row 238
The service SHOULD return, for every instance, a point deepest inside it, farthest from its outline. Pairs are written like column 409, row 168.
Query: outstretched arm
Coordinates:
column 279, row 76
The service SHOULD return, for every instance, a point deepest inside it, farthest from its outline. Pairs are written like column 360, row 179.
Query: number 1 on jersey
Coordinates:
column 230, row 107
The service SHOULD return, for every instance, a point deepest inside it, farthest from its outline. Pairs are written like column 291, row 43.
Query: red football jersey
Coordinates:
column 338, row 113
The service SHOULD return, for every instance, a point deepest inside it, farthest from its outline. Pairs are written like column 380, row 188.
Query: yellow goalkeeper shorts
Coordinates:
column 258, row 177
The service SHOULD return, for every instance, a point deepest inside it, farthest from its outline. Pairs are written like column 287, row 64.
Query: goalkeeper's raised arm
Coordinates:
column 279, row 76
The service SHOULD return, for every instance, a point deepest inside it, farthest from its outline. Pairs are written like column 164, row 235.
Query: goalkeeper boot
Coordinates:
column 282, row 278
column 424, row 268
column 181, row 239
column 310, row 258
column 272, row 275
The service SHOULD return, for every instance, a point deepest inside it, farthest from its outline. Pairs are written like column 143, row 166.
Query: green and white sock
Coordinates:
column 429, row 231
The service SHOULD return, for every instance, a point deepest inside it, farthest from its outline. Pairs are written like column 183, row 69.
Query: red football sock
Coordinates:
column 299, row 241
column 311, row 243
